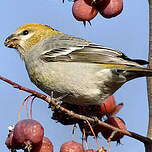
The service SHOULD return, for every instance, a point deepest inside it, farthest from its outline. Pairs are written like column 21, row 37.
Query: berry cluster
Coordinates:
column 86, row 10
column 28, row 135
column 108, row 109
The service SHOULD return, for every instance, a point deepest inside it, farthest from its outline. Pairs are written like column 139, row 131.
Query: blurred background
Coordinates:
column 128, row 32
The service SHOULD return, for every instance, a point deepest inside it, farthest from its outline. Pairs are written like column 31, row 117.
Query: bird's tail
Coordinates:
column 135, row 72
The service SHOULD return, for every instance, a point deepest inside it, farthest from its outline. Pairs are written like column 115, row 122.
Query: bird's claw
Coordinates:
column 57, row 101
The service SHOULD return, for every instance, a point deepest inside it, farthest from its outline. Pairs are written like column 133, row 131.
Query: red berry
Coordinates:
column 117, row 109
column 108, row 106
column 98, row 3
column 116, row 122
column 45, row 146
column 113, row 9
column 71, row 146
column 8, row 141
column 82, row 11
column 27, row 132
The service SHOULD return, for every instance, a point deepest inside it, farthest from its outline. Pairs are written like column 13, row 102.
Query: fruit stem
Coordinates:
column 84, row 138
column 31, row 106
column 27, row 107
column 74, row 128
column 19, row 113
column 93, row 134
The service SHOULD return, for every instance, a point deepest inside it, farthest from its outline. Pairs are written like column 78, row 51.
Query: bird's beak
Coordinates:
column 11, row 41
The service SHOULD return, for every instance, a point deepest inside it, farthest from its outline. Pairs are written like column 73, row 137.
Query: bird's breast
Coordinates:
column 85, row 83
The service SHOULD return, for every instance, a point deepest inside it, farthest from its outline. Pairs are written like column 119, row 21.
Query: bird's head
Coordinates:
column 28, row 35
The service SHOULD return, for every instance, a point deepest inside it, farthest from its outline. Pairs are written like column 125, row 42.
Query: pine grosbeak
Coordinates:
column 79, row 70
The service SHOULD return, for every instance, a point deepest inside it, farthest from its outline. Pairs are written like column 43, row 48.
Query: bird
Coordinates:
column 79, row 71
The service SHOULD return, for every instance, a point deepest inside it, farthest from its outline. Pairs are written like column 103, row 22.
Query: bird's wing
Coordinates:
column 89, row 53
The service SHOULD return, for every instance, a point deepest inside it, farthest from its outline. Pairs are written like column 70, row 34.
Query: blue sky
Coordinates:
column 127, row 32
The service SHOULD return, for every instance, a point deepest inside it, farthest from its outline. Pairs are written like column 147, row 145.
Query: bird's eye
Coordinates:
column 25, row 32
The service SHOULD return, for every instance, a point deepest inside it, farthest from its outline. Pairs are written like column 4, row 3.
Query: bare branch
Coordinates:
column 149, row 80
column 148, row 146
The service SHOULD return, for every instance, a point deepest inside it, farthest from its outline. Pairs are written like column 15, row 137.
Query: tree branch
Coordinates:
column 148, row 146
column 49, row 100
column 149, row 80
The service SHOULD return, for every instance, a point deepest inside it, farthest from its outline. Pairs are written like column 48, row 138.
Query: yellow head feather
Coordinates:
column 36, row 33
